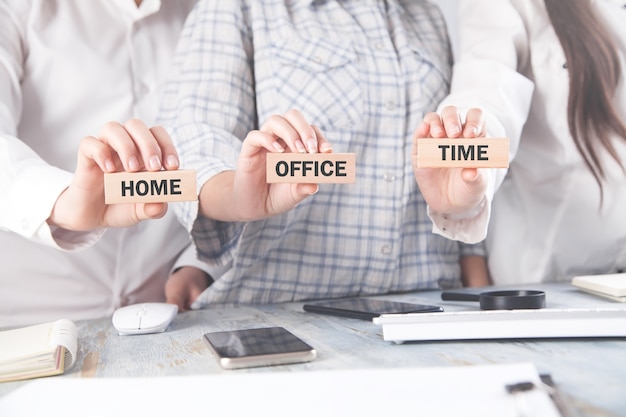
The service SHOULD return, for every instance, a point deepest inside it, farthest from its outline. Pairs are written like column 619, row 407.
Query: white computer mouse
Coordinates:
column 143, row 318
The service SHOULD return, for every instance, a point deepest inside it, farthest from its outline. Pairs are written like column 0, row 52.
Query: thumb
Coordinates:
column 423, row 131
column 474, row 179
column 148, row 211
column 302, row 191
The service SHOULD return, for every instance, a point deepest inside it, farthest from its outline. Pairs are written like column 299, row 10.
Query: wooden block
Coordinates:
column 465, row 153
column 150, row 187
column 338, row 168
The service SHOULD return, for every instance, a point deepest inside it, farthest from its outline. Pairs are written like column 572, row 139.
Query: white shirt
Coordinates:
column 546, row 220
column 66, row 68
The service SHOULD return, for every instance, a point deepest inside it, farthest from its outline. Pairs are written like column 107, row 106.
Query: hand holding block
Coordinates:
column 150, row 186
column 463, row 153
column 338, row 168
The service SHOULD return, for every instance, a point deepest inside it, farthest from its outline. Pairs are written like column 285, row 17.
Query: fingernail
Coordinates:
column 312, row 145
column 300, row 146
column 317, row 188
column 109, row 165
column 325, row 147
column 278, row 147
column 471, row 130
column 453, row 130
column 172, row 161
column 133, row 163
column 155, row 162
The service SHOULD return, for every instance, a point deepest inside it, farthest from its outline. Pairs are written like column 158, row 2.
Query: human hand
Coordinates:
column 130, row 147
column 185, row 285
column 245, row 195
column 450, row 190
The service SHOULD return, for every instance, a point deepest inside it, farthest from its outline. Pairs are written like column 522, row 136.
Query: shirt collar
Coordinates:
column 130, row 9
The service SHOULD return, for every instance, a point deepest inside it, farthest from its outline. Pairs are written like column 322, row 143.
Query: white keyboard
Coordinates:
column 504, row 324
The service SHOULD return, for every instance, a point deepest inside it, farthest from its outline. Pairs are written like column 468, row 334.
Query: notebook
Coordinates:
column 611, row 286
column 36, row 351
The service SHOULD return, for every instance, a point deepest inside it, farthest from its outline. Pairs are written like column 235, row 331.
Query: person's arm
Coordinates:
column 185, row 285
column 474, row 271
column 209, row 107
column 29, row 186
column 244, row 194
column 473, row 263
column 46, row 204
column 487, row 76
column 189, row 277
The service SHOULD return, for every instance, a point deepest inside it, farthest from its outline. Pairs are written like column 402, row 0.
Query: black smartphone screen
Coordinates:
column 367, row 308
column 258, row 347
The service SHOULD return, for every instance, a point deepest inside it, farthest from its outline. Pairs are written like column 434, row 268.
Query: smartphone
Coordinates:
column 265, row 346
column 367, row 308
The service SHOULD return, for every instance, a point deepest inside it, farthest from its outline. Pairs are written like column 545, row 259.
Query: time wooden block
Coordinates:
column 335, row 168
column 150, row 187
column 464, row 153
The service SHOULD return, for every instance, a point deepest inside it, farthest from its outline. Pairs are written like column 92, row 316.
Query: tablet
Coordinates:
column 367, row 308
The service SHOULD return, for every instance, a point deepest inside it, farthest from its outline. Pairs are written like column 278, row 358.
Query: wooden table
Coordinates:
column 590, row 372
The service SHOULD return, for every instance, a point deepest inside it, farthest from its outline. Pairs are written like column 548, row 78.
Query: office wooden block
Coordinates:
column 338, row 168
column 465, row 153
column 150, row 187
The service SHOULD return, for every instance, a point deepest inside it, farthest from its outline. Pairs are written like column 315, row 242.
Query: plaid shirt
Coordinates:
column 365, row 72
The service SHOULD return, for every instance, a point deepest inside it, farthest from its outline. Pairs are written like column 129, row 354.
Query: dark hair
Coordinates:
column 594, row 73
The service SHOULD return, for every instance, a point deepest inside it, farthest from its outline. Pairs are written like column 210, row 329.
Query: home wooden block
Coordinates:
column 461, row 152
column 150, row 187
column 338, row 168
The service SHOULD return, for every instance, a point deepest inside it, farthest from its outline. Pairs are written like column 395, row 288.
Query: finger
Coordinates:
column 284, row 134
column 474, row 124
column 322, row 143
column 124, row 215
column 90, row 151
column 451, row 121
column 307, row 133
column 285, row 197
column 257, row 140
column 435, row 125
column 147, row 211
column 475, row 182
column 301, row 191
column 168, row 150
column 146, row 143
column 469, row 175
column 422, row 132
column 116, row 136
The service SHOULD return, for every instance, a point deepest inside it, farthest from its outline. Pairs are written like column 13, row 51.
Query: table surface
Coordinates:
column 590, row 372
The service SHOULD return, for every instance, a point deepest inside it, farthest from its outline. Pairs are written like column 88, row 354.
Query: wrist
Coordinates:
column 468, row 213
column 216, row 198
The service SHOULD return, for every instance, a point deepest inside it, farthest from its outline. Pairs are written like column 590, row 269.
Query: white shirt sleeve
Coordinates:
column 31, row 187
column 28, row 185
column 493, row 52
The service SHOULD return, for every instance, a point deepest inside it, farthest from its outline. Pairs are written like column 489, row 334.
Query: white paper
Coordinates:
column 429, row 391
